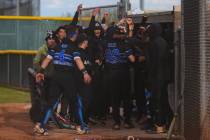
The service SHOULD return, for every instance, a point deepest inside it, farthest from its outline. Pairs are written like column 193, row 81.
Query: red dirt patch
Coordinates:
column 16, row 125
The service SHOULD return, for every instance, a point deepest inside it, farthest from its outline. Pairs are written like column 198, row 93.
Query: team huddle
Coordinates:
column 87, row 72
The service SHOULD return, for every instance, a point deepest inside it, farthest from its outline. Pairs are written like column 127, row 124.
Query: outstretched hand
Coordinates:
column 122, row 21
column 95, row 11
column 79, row 8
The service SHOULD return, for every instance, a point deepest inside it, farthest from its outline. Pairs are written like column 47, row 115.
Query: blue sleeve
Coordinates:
column 51, row 52
column 128, row 52
column 76, row 54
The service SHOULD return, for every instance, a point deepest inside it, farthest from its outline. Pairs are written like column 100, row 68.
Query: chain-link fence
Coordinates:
column 20, row 37
column 25, row 34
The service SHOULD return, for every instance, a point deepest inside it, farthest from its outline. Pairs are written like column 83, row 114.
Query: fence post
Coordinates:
column 8, row 69
column 20, row 72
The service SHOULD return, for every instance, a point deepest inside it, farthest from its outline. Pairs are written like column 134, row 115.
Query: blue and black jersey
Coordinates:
column 96, row 47
column 63, row 55
column 85, row 56
column 116, row 54
column 84, row 91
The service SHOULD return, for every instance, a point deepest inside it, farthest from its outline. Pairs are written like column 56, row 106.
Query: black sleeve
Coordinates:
column 103, row 20
column 76, row 52
column 89, row 29
column 75, row 18
column 110, row 32
column 98, row 51
column 104, row 44
column 92, row 22
column 162, row 58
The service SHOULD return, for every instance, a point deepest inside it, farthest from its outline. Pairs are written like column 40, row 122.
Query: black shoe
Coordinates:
column 138, row 118
column 143, row 120
column 151, row 130
column 93, row 121
column 116, row 126
column 128, row 125
column 102, row 122
column 146, row 126
column 103, row 118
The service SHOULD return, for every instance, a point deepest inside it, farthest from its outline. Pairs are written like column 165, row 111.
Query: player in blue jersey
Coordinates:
column 63, row 57
column 84, row 90
column 118, row 54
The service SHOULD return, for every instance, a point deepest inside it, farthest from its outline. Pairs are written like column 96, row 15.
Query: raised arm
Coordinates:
column 76, row 15
column 92, row 21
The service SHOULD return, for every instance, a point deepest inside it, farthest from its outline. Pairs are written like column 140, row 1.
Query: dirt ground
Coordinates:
column 15, row 124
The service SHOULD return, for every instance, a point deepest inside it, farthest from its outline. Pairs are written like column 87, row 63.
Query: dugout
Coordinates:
column 171, row 25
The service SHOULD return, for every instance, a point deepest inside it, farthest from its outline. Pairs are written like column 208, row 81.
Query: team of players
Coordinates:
column 89, row 69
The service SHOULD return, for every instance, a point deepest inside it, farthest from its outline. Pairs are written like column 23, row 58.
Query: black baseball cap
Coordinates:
column 81, row 38
column 50, row 35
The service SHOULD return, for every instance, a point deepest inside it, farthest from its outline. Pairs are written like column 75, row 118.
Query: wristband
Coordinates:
column 41, row 70
column 84, row 71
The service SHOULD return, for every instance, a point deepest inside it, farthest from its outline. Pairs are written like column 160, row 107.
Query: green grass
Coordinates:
column 8, row 95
